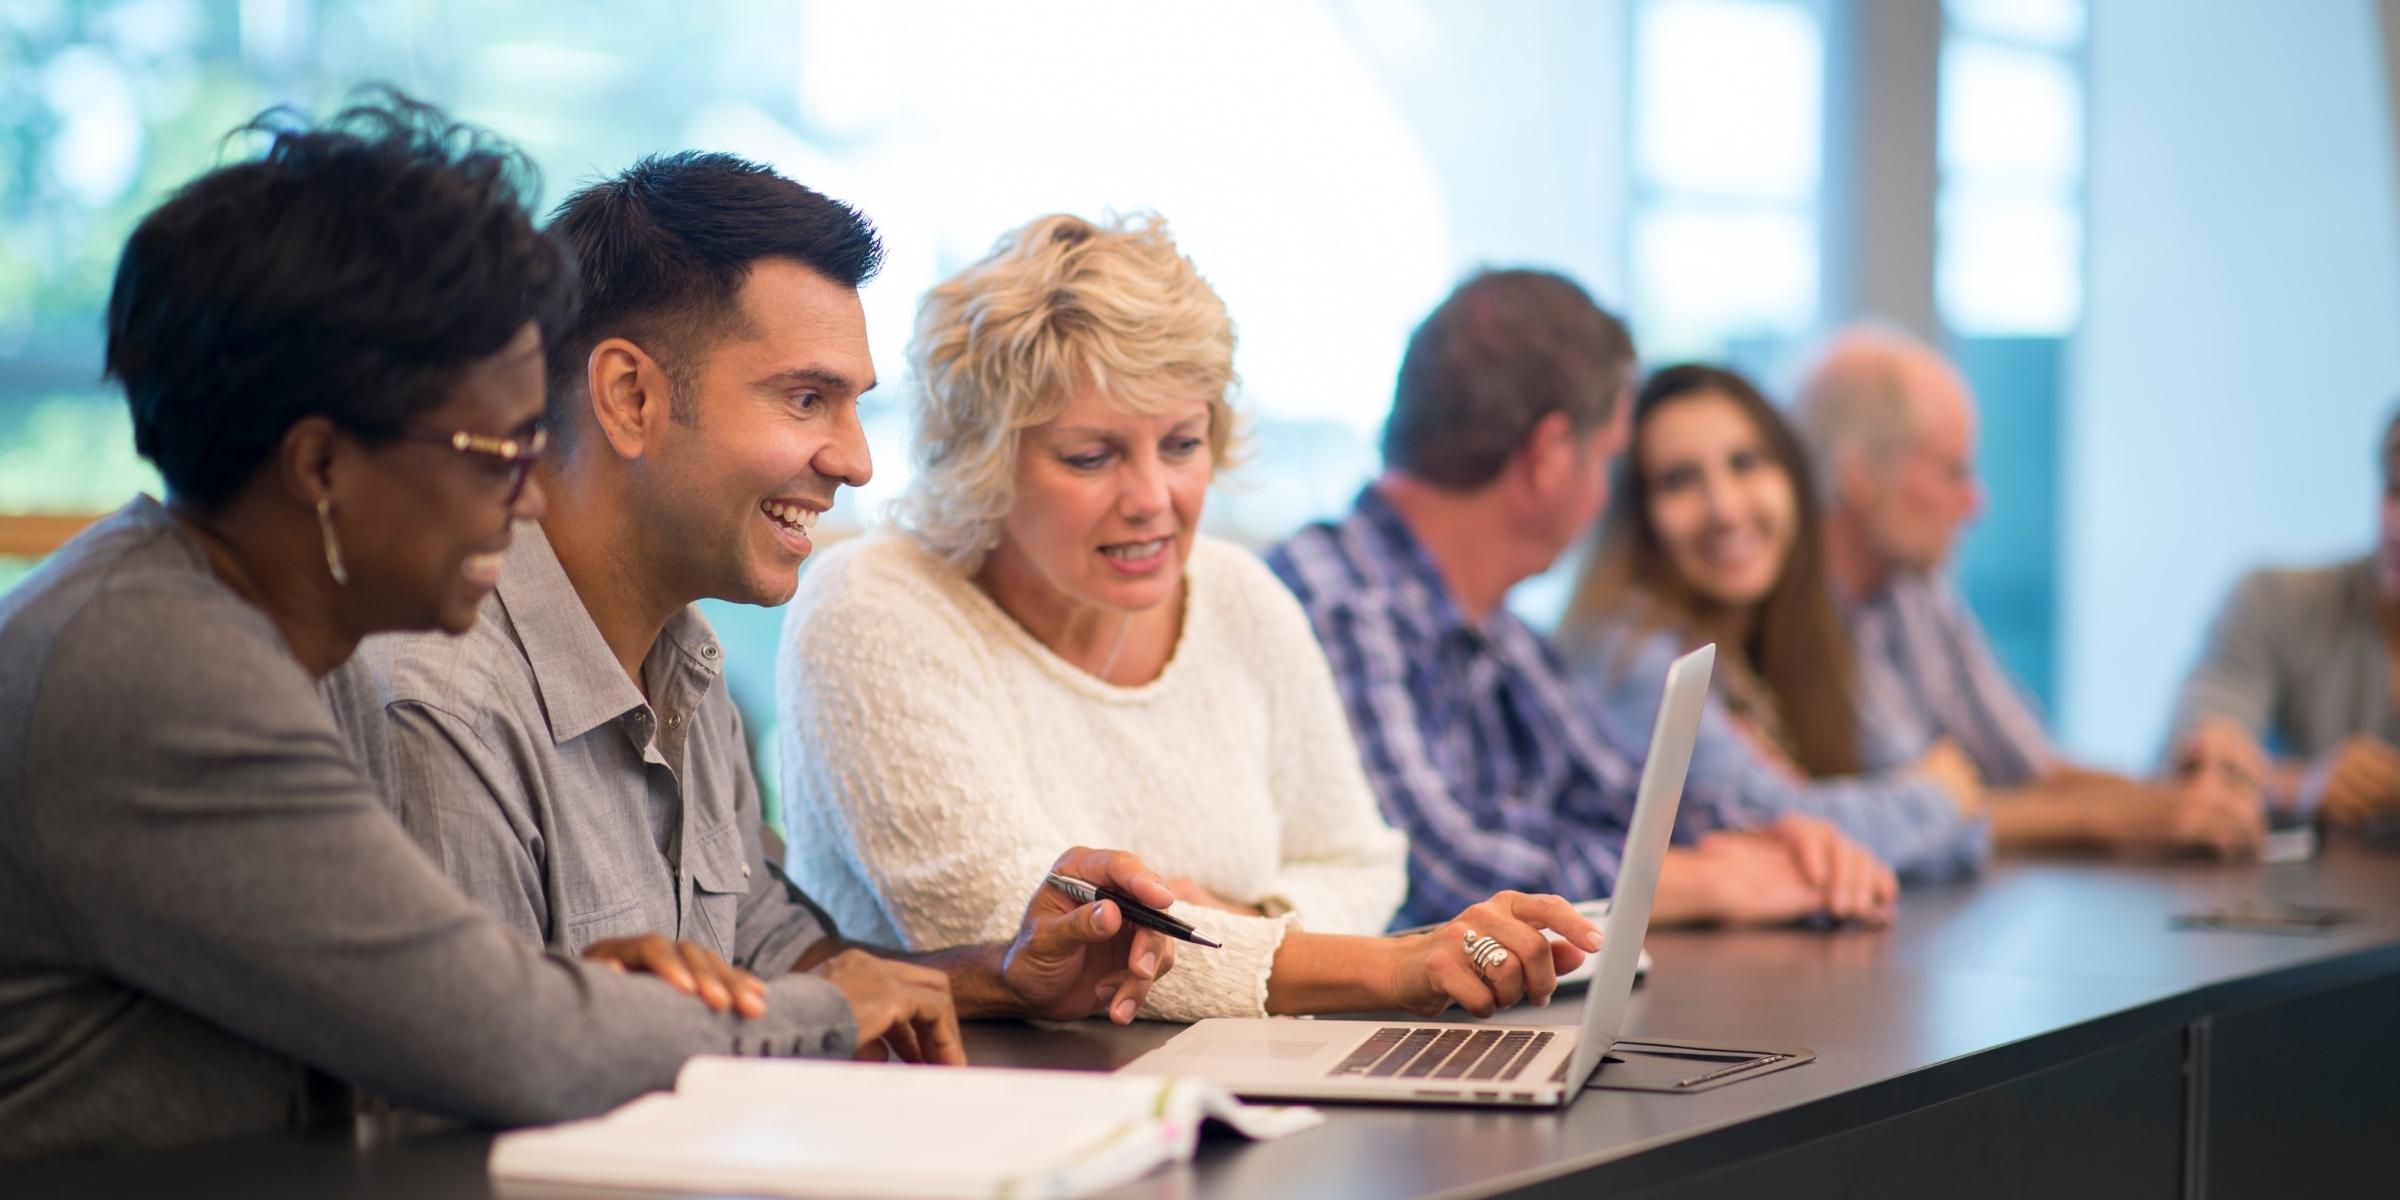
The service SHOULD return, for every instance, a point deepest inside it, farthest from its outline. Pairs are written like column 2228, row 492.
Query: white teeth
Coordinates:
column 792, row 515
column 1734, row 548
column 1136, row 551
column 482, row 566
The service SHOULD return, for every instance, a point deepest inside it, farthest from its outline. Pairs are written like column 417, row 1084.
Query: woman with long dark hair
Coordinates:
column 1714, row 535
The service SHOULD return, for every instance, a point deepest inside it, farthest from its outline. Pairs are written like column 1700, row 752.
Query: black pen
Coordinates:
column 1135, row 911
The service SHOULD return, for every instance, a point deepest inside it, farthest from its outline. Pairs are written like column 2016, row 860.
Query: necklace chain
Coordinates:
column 1116, row 647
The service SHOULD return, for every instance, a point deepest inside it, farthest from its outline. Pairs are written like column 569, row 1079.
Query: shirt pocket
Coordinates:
column 720, row 866
column 626, row 918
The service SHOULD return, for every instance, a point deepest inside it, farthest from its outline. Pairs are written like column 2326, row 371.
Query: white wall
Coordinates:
column 2241, row 342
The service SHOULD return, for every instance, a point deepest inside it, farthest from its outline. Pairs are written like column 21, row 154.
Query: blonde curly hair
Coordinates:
column 1001, row 347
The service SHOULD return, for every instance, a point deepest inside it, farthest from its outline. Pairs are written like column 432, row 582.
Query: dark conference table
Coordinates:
column 2042, row 1031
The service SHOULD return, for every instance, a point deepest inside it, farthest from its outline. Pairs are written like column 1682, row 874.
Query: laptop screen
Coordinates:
column 1611, row 991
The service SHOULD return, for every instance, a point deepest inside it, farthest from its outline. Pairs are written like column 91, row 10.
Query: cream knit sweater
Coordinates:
column 937, row 758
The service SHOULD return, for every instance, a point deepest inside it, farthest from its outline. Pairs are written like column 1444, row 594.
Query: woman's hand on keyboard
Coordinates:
column 1433, row 970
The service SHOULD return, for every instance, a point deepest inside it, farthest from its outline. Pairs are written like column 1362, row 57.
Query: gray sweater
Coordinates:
column 203, row 904
column 2297, row 658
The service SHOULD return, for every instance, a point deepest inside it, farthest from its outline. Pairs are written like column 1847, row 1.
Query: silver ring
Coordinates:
column 1485, row 954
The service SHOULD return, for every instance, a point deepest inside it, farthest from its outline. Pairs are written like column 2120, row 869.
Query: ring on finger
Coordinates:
column 1485, row 953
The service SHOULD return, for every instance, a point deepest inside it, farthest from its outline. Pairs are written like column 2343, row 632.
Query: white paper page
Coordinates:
column 794, row 1127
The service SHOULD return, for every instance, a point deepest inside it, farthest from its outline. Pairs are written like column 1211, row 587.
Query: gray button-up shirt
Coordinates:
column 2297, row 658
column 526, row 762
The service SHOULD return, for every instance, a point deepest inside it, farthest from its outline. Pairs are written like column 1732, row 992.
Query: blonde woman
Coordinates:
column 1048, row 652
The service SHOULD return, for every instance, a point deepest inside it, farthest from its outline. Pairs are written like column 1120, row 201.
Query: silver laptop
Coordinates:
column 1464, row 1062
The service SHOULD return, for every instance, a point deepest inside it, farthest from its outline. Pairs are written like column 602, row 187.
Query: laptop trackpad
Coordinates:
column 1252, row 1049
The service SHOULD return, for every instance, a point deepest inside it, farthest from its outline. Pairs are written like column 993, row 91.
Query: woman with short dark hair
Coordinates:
column 333, row 353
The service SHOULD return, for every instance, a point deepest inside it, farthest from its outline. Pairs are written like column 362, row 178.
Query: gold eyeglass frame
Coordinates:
column 519, row 453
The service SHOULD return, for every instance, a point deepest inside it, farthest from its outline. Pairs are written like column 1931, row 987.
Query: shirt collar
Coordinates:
column 1408, row 567
column 1898, row 583
column 1503, row 641
column 580, row 682
column 1523, row 659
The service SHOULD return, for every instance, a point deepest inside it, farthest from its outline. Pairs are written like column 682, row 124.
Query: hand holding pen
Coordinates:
column 1083, row 955
column 1135, row 911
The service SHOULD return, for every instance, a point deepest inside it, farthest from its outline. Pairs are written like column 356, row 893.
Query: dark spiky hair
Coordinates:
column 353, row 270
column 665, row 247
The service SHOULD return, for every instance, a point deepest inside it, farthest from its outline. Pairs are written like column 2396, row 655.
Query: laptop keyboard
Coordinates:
column 1399, row 1051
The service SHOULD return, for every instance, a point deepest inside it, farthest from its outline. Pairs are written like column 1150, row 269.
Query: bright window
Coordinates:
column 1727, row 152
column 1330, row 167
column 2008, row 260
column 1709, row 272
column 1729, row 94
column 2052, row 24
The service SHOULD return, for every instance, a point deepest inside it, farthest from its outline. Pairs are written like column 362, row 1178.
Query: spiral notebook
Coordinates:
column 795, row 1127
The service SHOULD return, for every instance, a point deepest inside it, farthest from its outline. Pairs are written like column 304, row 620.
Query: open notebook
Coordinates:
column 795, row 1127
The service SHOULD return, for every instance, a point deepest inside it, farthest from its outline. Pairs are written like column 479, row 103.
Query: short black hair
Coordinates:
column 1506, row 349
column 353, row 270
column 665, row 247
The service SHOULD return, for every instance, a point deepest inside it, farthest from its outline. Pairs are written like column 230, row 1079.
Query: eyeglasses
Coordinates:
column 517, row 454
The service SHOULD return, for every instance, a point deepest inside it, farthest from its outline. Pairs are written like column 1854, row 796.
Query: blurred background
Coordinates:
column 2160, row 235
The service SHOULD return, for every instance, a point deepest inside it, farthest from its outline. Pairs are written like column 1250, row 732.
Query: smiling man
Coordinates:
column 576, row 762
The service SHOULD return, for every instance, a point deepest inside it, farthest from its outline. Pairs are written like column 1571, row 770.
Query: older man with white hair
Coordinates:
column 1891, row 425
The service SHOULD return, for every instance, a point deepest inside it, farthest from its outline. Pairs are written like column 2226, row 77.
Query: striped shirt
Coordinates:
column 1926, row 672
column 1902, row 817
column 1479, row 744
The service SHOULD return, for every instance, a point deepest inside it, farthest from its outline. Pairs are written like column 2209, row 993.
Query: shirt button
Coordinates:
column 675, row 722
column 745, row 870
column 708, row 650
column 832, row 1042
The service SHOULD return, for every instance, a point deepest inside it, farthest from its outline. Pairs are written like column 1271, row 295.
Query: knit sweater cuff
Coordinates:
column 1227, row 982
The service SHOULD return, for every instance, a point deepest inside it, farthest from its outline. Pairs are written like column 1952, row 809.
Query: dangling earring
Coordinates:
column 333, row 545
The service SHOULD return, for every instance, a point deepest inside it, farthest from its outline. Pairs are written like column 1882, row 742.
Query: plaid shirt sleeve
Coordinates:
column 1468, row 837
column 1902, row 818
column 1735, row 783
column 2001, row 729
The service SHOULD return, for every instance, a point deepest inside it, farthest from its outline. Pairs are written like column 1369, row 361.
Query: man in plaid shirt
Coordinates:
column 1509, row 409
